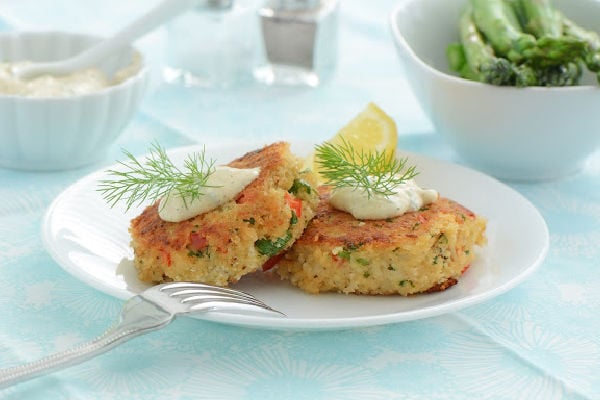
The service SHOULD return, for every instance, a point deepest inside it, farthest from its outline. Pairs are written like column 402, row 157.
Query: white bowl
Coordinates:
column 56, row 133
column 512, row 133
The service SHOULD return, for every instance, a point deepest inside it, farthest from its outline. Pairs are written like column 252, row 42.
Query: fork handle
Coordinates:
column 130, row 325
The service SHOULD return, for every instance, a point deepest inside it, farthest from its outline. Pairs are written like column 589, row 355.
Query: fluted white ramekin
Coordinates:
column 64, row 132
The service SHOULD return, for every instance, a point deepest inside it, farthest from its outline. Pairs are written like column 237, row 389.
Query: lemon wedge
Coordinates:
column 372, row 130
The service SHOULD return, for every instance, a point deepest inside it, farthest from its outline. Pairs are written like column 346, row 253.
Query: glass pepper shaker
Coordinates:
column 213, row 45
column 300, row 41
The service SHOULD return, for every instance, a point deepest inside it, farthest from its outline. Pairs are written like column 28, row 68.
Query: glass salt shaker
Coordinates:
column 213, row 45
column 300, row 41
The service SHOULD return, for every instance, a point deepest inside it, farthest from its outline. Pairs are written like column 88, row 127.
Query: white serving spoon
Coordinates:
column 160, row 14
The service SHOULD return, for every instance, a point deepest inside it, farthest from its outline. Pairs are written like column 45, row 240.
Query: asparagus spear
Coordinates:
column 467, row 73
column 498, row 22
column 567, row 74
column 592, row 40
column 548, row 54
column 541, row 19
column 553, row 48
column 457, row 61
column 551, row 51
column 455, row 54
column 480, row 57
column 525, row 75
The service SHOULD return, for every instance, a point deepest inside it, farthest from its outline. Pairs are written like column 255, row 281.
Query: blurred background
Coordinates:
column 245, row 109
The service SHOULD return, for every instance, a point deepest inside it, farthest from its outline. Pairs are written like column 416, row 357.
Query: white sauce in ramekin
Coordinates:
column 77, row 83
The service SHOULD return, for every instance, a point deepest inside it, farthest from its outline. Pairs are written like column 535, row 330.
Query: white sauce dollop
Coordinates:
column 407, row 197
column 223, row 185
column 80, row 82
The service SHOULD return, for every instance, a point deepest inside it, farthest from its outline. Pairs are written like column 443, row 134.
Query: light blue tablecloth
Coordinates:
column 539, row 341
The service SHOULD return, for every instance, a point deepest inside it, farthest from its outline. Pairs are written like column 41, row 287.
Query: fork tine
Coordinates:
column 200, row 291
column 223, row 302
column 201, row 296
column 200, row 286
column 209, row 297
column 193, row 295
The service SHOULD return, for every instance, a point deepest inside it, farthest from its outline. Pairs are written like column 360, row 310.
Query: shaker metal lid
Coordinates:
column 296, row 4
column 216, row 4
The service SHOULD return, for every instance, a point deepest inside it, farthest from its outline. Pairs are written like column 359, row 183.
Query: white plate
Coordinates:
column 91, row 241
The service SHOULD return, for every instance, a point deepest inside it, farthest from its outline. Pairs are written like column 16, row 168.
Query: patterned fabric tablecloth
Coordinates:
column 539, row 341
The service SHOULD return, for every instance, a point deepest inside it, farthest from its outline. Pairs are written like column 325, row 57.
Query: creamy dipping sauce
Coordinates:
column 80, row 82
column 223, row 185
column 407, row 197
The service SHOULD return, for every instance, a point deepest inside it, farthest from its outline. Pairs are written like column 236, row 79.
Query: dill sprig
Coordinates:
column 374, row 172
column 155, row 177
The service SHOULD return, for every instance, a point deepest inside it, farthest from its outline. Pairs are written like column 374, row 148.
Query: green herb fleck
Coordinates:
column 199, row 253
column 442, row 239
column 347, row 249
column 363, row 262
column 366, row 274
column 406, row 282
column 300, row 184
column 272, row 247
column 391, row 268
column 250, row 220
column 352, row 246
column 294, row 218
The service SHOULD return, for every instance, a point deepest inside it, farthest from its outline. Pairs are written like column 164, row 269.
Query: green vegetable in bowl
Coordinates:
column 560, row 75
column 526, row 75
column 480, row 61
column 539, row 18
column 521, row 43
column 497, row 20
column 591, row 56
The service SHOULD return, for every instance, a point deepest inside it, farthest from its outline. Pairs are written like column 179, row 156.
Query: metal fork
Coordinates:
column 152, row 309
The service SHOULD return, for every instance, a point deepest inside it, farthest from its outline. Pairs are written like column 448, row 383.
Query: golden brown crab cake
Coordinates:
column 420, row 251
column 238, row 237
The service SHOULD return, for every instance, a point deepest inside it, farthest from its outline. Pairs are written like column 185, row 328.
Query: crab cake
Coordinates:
column 236, row 238
column 420, row 251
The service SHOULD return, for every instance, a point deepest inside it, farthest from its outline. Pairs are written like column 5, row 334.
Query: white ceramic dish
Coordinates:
column 511, row 133
column 90, row 241
column 67, row 132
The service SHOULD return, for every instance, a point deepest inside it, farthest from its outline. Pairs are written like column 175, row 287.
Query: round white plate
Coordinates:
column 91, row 241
